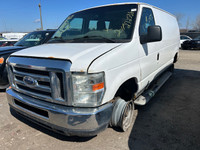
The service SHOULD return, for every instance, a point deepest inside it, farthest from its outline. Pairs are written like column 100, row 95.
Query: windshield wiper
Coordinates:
column 90, row 37
column 56, row 40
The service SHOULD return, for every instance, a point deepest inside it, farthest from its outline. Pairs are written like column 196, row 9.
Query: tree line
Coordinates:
column 194, row 25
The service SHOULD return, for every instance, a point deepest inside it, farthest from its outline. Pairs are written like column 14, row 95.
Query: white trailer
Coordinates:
column 13, row 35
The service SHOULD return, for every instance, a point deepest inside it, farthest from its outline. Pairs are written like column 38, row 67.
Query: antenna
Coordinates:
column 40, row 15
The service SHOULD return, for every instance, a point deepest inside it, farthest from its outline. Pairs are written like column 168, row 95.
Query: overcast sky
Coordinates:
column 23, row 15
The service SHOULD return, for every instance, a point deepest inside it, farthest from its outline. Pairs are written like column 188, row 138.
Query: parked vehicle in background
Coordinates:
column 31, row 39
column 7, row 42
column 191, row 44
column 96, row 66
column 184, row 38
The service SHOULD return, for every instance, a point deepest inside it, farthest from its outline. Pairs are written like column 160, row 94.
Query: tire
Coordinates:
column 123, row 114
column 3, row 87
column 127, row 117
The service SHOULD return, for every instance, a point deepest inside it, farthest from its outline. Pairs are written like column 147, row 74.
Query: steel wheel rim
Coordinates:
column 127, row 116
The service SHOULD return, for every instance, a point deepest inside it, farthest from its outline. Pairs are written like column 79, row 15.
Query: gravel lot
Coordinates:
column 170, row 121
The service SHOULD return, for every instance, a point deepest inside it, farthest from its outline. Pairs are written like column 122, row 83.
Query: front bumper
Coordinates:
column 191, row 45
column 70, row 121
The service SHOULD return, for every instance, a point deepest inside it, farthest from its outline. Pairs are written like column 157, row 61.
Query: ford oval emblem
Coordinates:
column 29, row 81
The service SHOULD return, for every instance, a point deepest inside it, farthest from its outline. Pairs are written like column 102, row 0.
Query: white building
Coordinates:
column 13, row 35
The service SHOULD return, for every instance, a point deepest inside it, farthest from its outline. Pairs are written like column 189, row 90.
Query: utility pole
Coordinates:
column 40, row 15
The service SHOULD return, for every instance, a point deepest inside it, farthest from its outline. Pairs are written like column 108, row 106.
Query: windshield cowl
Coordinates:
column 84, row 39
column 19, row 45
column 57, row 40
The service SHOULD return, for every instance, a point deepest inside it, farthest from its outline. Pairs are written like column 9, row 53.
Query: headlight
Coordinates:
column 198, row 42
column 88, row 89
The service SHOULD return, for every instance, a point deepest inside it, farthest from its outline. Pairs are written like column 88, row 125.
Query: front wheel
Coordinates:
column 123, row 114
column 3, row 87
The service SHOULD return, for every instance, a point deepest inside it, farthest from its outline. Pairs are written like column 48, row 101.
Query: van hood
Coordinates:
column 81, row 55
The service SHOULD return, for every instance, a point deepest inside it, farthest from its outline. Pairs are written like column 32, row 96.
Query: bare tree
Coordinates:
column 196, row 24
column 179, row 17
column 187, row 25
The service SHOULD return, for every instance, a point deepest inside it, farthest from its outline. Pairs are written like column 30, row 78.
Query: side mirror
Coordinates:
column 154, row 34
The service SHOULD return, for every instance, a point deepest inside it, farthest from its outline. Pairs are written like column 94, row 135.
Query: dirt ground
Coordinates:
column 170, row 121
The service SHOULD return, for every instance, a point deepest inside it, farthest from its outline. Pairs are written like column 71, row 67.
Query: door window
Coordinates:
column 147, row 19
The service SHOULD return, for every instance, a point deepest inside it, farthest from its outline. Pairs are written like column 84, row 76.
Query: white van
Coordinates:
column 100, row 63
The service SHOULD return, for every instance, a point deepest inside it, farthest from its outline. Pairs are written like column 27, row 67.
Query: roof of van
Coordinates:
column 125, row 3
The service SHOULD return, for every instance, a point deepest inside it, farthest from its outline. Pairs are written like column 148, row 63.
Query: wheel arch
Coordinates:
column 127, row 89
column 175, row 57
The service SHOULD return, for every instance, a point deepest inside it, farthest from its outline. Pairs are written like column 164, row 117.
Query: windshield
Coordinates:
column 34, row 38
column 103, row 24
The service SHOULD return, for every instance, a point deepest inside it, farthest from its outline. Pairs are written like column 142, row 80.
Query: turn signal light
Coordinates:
column 98, row 86
column 1, row 60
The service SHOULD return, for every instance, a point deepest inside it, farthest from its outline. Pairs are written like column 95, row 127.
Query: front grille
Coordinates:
column 37, row 72
column 42, row 88
column 43, row 79
column 32, row 90
column 49, row 84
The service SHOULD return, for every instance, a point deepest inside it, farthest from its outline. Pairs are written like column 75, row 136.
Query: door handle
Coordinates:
column 158, row 56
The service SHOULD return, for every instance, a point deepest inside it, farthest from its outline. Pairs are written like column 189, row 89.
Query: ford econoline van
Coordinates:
column 99, row 64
